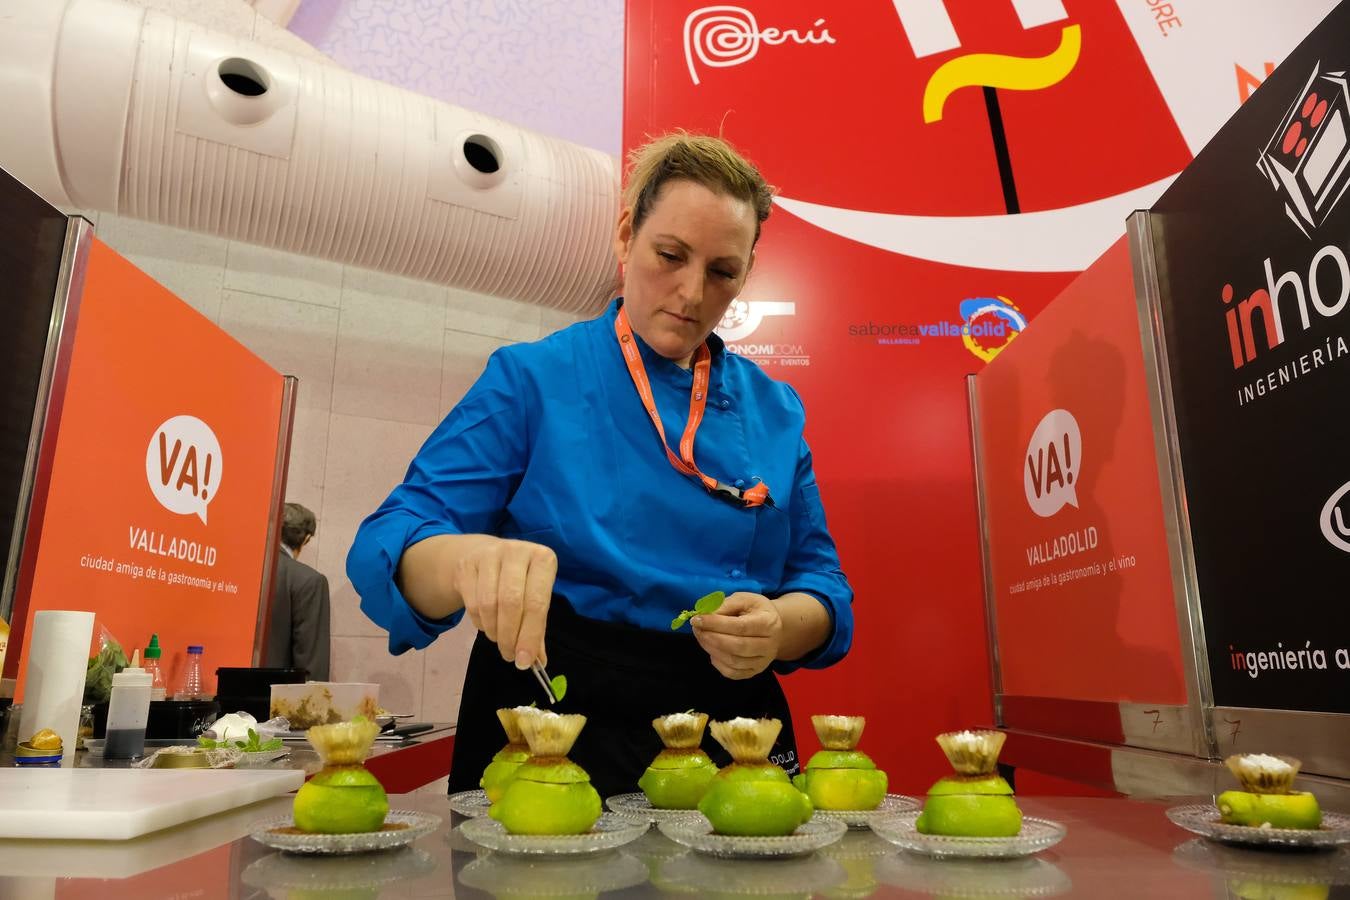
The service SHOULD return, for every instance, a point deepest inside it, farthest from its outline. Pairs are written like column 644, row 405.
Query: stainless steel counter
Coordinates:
column 1114, row 848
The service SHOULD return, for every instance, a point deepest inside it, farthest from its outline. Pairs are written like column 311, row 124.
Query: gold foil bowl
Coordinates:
column 747, row 740
column 680, row 731
column 550, row 734
column 838, row 732
column 972, row 752
column 1261, row 773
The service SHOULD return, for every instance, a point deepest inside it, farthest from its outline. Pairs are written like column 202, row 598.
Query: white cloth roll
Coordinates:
column 58, row 655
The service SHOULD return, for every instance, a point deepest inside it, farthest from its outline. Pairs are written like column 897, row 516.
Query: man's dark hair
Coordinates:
column 297, row 523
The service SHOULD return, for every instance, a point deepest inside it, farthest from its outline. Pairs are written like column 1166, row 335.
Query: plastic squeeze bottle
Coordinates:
column 128, row 710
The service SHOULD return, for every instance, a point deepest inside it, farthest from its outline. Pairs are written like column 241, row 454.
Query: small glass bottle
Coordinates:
column 152, row 655
column 190, row 685
column 128, row 711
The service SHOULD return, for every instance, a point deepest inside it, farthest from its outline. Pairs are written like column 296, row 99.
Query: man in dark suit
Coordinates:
column 297, row 635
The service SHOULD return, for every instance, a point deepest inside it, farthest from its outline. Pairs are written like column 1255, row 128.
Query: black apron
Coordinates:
column 620, row 677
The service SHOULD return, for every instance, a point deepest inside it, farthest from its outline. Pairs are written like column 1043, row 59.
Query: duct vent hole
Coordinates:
column 244, row 77
column 482, row 153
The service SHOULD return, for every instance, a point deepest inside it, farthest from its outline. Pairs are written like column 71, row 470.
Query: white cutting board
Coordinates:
column 116, row 804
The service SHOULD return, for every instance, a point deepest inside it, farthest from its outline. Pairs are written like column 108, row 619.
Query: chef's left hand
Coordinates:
column 743, row 636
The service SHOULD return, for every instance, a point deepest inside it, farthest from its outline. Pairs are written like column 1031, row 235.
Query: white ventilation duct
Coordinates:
column 114, row 107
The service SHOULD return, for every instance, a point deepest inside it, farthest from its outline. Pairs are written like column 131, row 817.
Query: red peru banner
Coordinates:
column 944, row 168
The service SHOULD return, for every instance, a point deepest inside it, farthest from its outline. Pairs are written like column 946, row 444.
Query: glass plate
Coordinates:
column 637, row 806
column 470, row 803
column 1037, row 835
column 1203, row 819
column 1266, row 868
column 937, row 877
column 860, row 844
column 609, row 832
column 696, row 833
column 400, row 827
column 891, row 804
column 288, row 872
column 704, row 876
column 514, row 876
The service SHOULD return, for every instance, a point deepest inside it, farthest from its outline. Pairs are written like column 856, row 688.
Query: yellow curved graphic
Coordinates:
column 1014, row 73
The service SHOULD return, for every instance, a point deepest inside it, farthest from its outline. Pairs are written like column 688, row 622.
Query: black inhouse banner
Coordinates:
column 1253, row 243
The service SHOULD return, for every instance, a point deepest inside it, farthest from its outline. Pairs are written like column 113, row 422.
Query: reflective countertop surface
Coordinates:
column 1113, row 848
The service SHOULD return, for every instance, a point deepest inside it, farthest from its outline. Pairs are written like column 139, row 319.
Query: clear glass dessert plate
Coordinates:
column 609, row 831
column 890, row 805
column 931, row 876
column 698, row 875
column 503, row 875
column 637, row 806
column 696, row 833
column 1204, row 819
column 1036, row 835
column 1213, row 858
column 470, row 803
column 285, row 872
column 401, row 827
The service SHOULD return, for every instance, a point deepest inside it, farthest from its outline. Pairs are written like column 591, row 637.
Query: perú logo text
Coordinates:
column 717, row 37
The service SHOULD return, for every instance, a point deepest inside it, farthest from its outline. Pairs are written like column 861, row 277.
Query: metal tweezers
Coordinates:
column 544, row 682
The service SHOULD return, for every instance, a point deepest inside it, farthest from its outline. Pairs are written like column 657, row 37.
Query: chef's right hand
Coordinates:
column 506, row 586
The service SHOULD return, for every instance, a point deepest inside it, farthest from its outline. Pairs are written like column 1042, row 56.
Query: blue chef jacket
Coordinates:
column 552, row 445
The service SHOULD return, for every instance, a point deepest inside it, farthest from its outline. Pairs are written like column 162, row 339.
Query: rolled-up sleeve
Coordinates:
column 813, row 568
column 459, row 483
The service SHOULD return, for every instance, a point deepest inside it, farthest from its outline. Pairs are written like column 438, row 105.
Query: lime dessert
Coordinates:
column 1267, row 798
column 548, row 794
column 681, row 772
column 976, row 801
column 344, row 798
column 752, row 796
column 840, row 776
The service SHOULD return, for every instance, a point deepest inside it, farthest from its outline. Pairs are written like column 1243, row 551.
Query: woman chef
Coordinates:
column 593, row 484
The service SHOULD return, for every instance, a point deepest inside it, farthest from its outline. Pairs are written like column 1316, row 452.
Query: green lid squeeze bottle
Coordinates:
column 151, row 665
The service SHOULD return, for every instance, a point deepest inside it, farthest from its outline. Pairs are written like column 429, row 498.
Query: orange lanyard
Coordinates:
column 758, row 495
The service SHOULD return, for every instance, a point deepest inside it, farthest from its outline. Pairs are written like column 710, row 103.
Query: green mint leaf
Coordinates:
column 709, row 603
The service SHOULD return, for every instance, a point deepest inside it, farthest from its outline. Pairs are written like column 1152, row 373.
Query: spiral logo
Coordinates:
column 720, row 36
column 743, row 317
column 737, row 314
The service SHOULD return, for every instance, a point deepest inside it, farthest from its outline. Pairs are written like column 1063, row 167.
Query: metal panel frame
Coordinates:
column 1171, row 479
column 69, row 284
column 986, row 564
column 281, row 466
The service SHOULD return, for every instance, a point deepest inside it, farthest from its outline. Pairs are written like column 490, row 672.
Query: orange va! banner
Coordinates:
column 159, row 494
column 1081, row 575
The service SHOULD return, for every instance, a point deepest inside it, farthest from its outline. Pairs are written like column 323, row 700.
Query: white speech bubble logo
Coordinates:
column 184, row 466
column 1052, row 462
